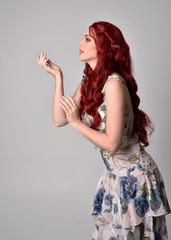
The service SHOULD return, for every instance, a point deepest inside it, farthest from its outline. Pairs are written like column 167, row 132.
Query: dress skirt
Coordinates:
column 130, row 202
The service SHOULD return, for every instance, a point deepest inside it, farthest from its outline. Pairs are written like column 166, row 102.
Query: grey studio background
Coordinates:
column 48, row 175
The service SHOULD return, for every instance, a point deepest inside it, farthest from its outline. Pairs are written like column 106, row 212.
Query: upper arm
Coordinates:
column 115, row 99
column 77, row 95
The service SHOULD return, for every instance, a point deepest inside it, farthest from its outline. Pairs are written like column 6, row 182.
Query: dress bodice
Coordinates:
column 129, row 135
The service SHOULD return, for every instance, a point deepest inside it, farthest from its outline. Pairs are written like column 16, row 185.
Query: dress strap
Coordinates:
column 113, row 76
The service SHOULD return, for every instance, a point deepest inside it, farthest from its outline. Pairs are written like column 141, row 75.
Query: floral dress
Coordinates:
column 130, row 201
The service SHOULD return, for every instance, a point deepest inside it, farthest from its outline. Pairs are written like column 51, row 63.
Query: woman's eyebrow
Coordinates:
column 87, row 35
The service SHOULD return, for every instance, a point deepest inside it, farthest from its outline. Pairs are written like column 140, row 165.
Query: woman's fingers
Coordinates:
column 41, row 56
column 66, row 103
column 65, row 107
column 70, row 108
column 45, row 61
column 44, row 56
column 72, row 101
column 42, row 60
column 49, row 66
column 38, row 59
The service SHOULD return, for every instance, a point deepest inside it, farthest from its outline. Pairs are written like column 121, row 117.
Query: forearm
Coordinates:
column 58, row 114
column 100, row 139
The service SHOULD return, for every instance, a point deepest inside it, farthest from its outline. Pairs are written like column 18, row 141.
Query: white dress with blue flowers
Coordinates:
column 130, row 201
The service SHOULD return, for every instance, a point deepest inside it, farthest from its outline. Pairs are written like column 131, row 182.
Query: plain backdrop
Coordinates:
column 48, row 175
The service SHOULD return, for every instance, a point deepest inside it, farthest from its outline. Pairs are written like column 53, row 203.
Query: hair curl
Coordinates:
column 113, row 55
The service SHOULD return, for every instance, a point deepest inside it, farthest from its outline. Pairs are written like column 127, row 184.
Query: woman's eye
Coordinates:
column 87, row 39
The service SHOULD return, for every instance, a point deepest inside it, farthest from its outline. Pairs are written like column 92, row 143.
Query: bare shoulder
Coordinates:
column 115, row 94
column 114, row 86
column 119, row 90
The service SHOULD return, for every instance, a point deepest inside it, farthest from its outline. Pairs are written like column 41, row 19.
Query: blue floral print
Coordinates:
column 108, row 201
column 141, row 168
column 157, row 192
column 118, row 227
column 98, row 202
column 112, row 238
column 142, row 206
column 128, row 188
column 157, row 235
column 115, row 209
column 105, row 162
column 165, row 232
column 130, row 170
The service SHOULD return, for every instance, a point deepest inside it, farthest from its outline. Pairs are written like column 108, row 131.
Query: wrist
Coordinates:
column 76, row 124
column 59, row 76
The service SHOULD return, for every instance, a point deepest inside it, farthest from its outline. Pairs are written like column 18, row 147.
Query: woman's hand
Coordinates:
column 49, row 66
column 71, row 110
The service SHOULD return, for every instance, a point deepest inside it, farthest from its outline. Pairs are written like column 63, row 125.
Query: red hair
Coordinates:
column 113, row 55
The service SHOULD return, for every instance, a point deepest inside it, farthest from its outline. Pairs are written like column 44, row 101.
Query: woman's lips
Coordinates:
column 81, row 51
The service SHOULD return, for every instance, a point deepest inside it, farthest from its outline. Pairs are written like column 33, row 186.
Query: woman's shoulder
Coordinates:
column 117, row 76
column 113, row 75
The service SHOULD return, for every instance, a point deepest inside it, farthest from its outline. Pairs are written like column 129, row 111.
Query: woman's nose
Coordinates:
column 79, row 44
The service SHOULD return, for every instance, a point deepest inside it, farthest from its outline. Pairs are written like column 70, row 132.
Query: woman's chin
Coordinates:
column 82, row 59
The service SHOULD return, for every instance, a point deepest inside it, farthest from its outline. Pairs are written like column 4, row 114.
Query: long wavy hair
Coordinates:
column 113, row 55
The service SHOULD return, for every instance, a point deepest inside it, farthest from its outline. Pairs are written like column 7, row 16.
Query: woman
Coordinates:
column 130, row 200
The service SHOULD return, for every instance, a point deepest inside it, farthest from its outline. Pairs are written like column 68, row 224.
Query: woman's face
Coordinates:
column 88, row 52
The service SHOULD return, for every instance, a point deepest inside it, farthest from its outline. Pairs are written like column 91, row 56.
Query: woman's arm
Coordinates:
column 58, row 114
column 115, row 99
